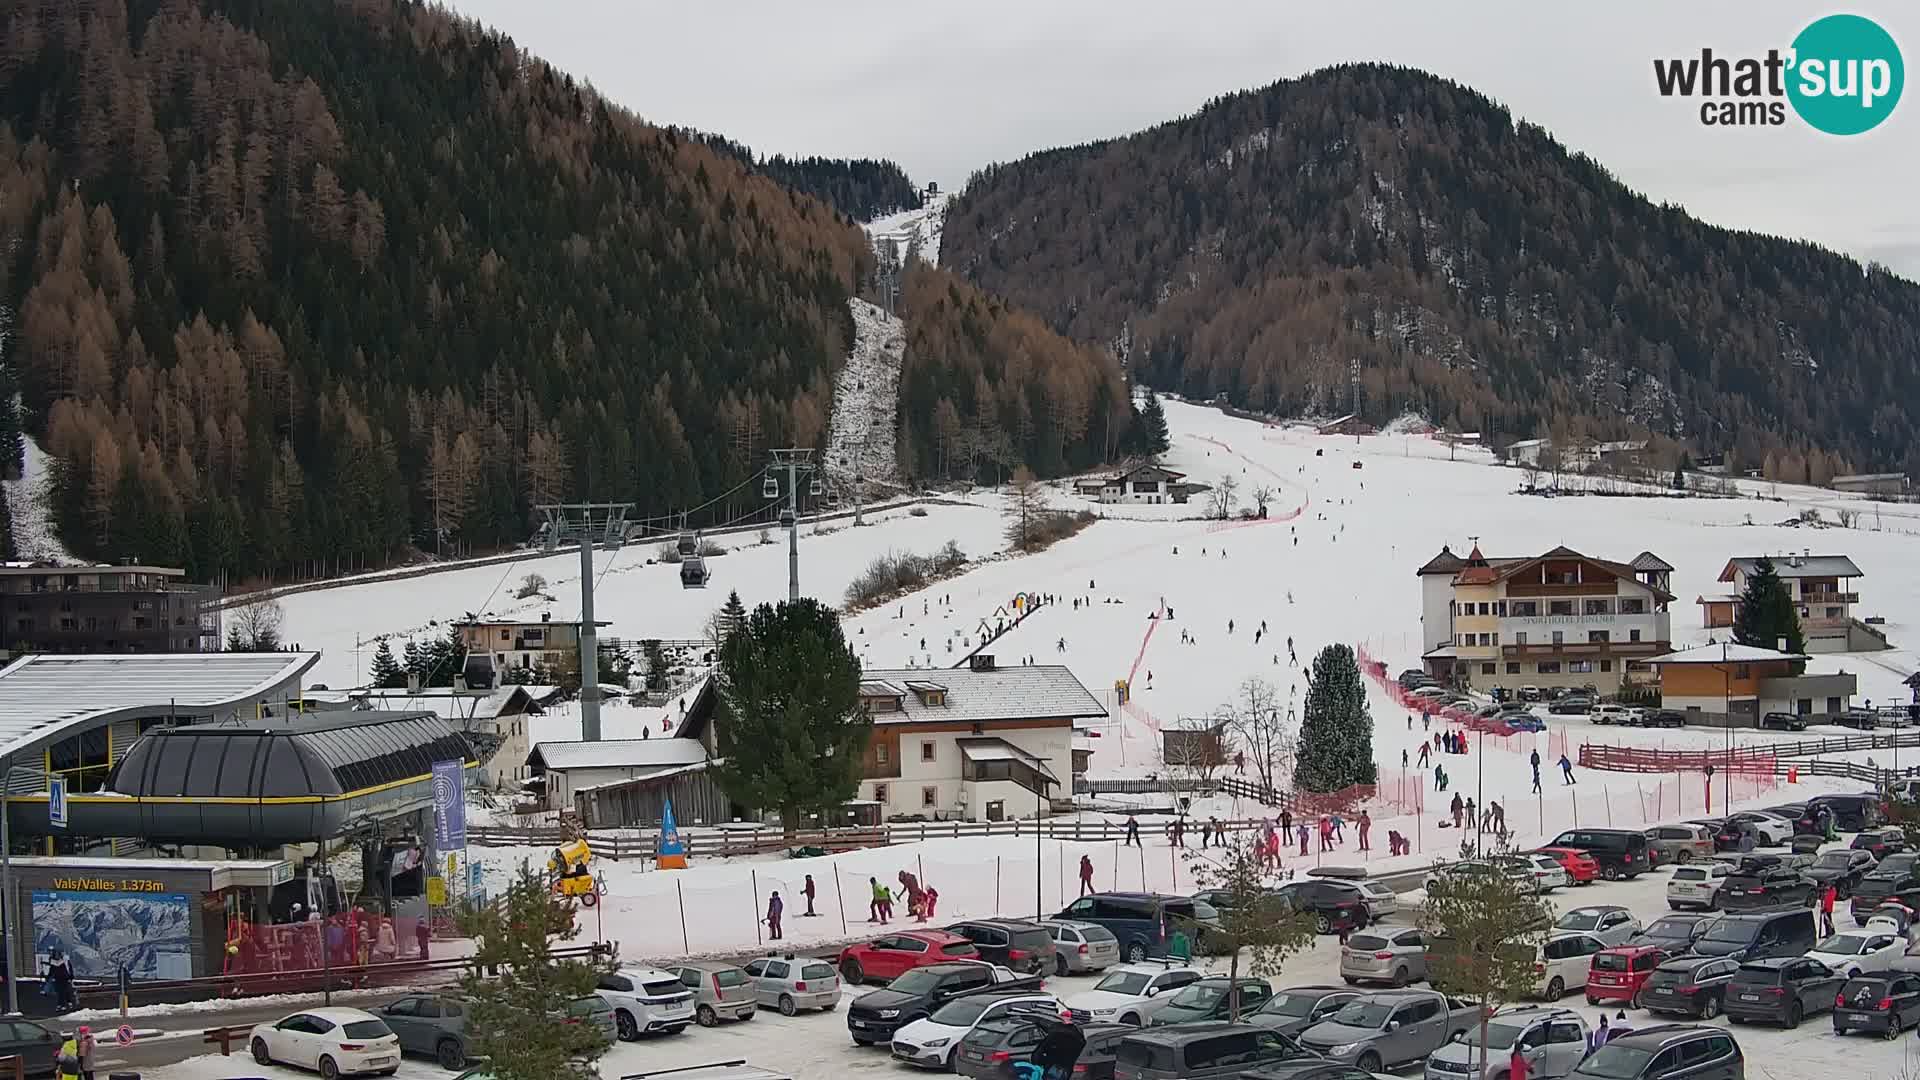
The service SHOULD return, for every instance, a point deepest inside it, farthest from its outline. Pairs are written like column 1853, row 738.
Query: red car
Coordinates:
column 1581, row 867
column 1618, row 974
column 891, row 955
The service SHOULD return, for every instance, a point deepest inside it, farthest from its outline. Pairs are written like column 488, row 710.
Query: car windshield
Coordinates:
column 1200, row 995
column 1689, row 873
column 366, row 1029
column 915, row 982
column 1205, row 912
column 960, row 1012
column 1124, row 982
column 1731, row 932
column 817, row 971
column 1837, row 860
column 1843, row 945
column 1579, row 919
column 1670, row 928
column 1615, row 1061
column 1363, row 1014
column 1609, row 961
column 1291, row 1004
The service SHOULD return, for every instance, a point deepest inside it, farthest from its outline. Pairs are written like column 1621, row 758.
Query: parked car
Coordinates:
column 1841, row 869
column 594, row 1011
column 1736, row 835
column 875, row 1016
column 1200, row 1052
column 1562, row 962
column 1691, row 985
column 1130, row 993
column 1608, row 714
column 1884, row 1004
column 36, row 1045
column 1663, row 718
column 1697, row 886
column 891, row 955
column 1753, row 888
column 1783, row 721
column 332, row 1042
column 1380, row 898
column 1674, row 933
column 1520, row 876
column 1755, row 935
column 1335, row 905
column 1896, row 878
column 1548, row 873
column 722, row 991
column 647, row 1001
column 994, row 1047
column 1781, row 990
column 1680, row 843
column 1523, row 721
column 1081, row 946
column 1570, row 705
column 1297, row 1008
column 1880, row 842
column 1858, row 719
column 1861, row 952
column 1581, row 867
column 1851, row 813
column 432, row 1025
column 1391, row 1028
column 791, row 983
column 1617, row 974
column 1023, row 946
column 930, row 1041
column 1668, row 1051
column 1414, row 677
column 1550, row 1038
column 1427, row 692
column 1386, row 954
column 1611, row 923
column 1774, row 831
column 1139, row 921
column 1622, row 853
column 1211, row 999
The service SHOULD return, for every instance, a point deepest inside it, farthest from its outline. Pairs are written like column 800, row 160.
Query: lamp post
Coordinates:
column 1726, row 712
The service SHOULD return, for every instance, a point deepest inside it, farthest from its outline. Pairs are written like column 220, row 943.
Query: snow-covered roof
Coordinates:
column 662, row 773
column 618, row 754
column 1728, row 653
column 44, row 696
column 1021, row 692
column 1795, row 566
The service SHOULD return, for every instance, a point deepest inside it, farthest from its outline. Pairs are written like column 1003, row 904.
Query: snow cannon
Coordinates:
column 573, row 853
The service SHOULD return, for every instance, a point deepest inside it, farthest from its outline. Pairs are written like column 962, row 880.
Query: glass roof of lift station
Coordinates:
column 326, row 754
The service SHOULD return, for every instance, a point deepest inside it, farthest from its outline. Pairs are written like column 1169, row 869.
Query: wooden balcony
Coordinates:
column 1819, row 596
column 1584, row 588
column 1586, row 649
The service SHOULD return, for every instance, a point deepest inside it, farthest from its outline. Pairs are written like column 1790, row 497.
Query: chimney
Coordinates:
column 981, row 662
column 545, row 615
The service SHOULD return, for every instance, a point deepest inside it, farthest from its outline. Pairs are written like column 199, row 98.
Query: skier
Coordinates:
column 1426, row 754
column 1304, row 834
column 1470, row 811
column 1086, row 875
column 1263, row 626
column 1339, row 828
column 880, row 907
column 1439, row 778
column 916, row 897
column 1239, row 762
column 1326, row 833
column 1458, row 807
column 1177, row 832
column 1133, row 832
column 1403, row 757
column 1566, row 771
column 1499, row 819
column 1062, row 647
column 774, row 907
column 1229, row 626
column 1286, row 823
column 1534, row 760
column 807, row 890
column 60, row 974
column 1366, row 826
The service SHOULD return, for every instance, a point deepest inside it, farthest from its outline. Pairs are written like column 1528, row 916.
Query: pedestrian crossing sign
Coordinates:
column 57, row 802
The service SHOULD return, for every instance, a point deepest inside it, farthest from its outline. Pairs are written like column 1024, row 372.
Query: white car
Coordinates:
column 1561, row 963
column 1774, row 830
column 929, row 1042
column 1697, row 885
column 332, row 1042
column 1608, row 714
column 1610, row 923
column 1426, row 692
column 1853, row 952
column 1548, row 874
column 1131, row 993
column 1512, row 871
column 647, row 1001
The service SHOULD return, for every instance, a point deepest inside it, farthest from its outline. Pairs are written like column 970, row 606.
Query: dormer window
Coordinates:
column 931, row 694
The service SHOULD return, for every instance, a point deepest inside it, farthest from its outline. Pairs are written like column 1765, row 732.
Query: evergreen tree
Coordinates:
column 513, row 1011
column 413, row 661
column 656, row 663
column 444, row 658
column 791, row 731
column 1766, row 612
column 1336, row 730
column 728, row 618
column 1154, row 439
column 387, row 674
column 235, row 642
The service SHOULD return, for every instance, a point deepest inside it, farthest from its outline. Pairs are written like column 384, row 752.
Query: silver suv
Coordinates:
column 1552, row 1039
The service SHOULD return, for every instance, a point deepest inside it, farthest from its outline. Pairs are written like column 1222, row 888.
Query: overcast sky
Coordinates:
column 944, row 88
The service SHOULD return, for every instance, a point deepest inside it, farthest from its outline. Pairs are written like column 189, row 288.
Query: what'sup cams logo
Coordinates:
column 1842, row 75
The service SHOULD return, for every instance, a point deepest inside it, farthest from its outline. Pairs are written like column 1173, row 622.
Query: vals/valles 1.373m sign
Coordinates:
column 1842, row 75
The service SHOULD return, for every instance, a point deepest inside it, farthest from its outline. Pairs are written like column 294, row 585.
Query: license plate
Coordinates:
column 859, row 1023
column 1663, row 990
column 1864, row 1018
column 380, row 1061
column 1749, row 997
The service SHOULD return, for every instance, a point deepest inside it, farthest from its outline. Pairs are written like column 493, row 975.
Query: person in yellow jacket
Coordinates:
column 67, row 1064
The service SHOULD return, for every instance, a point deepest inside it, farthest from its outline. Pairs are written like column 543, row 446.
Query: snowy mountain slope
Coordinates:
column 917, row 232
column 29, row 501
column 866, row 399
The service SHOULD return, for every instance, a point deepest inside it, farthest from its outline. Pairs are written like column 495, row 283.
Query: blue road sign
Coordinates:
column 57, row 802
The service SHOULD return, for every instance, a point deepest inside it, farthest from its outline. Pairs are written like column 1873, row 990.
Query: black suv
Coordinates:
column 1335, row 905
column 1841, row 869
column 1784, row 721
column 1884, row 1004
column 1671, row 1051
column 1759, row 888
column 1851, row 813
column 875, row 1016
column 1783, row 990
column 1023, row 946
column 1689, row 985
column 1880, row 843
column 1895, row 879
column 1753, row 935
column 1668, row 718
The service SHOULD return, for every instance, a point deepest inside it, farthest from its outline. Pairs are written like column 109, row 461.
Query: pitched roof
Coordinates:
column 1021, row 692
column 45, row 695
column 618, row 754
column 1444, row 563
column 1647, row 560
column 1728, row 653
column 1149, row 467
column 1801, row 566
column 1619, row 569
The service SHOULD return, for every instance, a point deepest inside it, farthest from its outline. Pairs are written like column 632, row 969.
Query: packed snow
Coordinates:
column 917, row 232
column 30, row 502
column 866, row 400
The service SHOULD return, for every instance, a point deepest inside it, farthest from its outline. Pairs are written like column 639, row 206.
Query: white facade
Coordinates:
column 1436, row 610
column 932, row 769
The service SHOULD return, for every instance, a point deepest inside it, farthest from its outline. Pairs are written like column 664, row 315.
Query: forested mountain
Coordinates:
column 860, row 188
column 1467, row 264
column 984, row 388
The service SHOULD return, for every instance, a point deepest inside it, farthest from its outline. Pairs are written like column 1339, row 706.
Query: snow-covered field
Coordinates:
column 916, row 231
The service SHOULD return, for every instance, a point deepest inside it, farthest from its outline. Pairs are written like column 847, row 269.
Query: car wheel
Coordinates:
column 1401, row 976
column 1136, row 952
column 786, row 1005
column 623, row 1023
column 1592, row 1001
column 1893, row 1029
column 329, row 1069
column 1350, row 980
column 1612, row 873
column 850, row 971
column 261, row 1056
column 1710, row 1008
column 1322, row 925
column 1369, row 1062
column 1131, row 1020
column 1794, row 1014
column 1685, row 856
column 1556, row 989
column 449, row 1055
column 706, row 1017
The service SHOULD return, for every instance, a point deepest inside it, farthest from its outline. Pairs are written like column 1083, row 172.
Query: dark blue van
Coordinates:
column 1141, row 921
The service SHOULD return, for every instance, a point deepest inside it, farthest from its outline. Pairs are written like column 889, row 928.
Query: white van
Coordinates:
column 1560, row 964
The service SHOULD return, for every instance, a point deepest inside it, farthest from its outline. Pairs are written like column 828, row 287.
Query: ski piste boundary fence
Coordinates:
column 1506, row 738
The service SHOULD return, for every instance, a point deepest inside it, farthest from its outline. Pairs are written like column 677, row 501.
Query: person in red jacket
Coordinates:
column 1086, row 875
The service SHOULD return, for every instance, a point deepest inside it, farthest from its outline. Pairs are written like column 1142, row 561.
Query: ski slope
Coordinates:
column 916, row 231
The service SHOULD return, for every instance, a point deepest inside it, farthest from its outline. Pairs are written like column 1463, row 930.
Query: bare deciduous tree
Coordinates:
column 1193, row 753
column 1262, row 496
column 1221, row 499
column 255, row 626
column 1262, row 732
column 530, row 586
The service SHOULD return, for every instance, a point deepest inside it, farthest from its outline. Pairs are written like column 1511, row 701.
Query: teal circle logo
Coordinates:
column 1847, row 74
